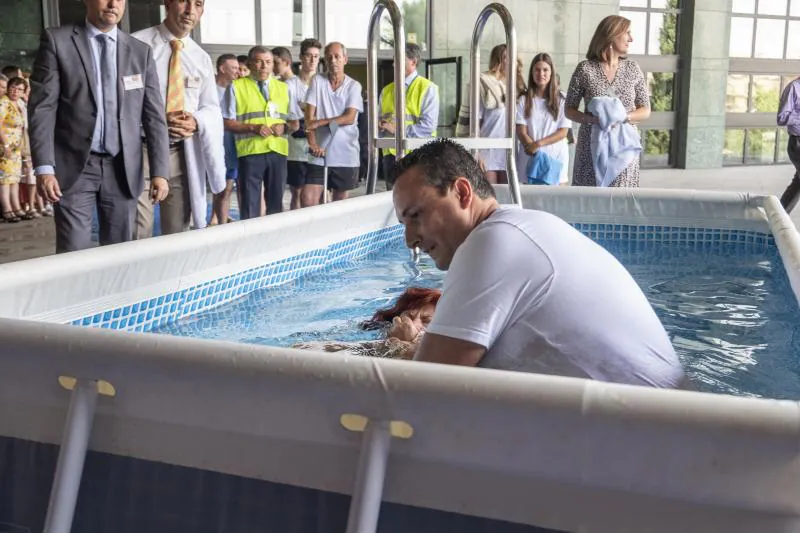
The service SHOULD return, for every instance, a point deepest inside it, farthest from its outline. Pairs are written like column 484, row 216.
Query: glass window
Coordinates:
column 633, row 3
column 761, row 146
column 346, row 21
column 769, row 38
column 663, row 34
column 783, row 141
column 277, row 22
column 638, row 30
column 744, row 6
column 145, row 13
column 661, row 90
column 794, row 10
column 793, row 39
column 733, row 152
column 737, row 93
column 657, row 148
column 415, row 17
column 229, row 22
column 766, row 94
column 741, row 43
column 772, row 7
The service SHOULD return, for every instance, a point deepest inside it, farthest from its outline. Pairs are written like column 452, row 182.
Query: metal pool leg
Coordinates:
column 71, row 456
column 368, row 492
column 325, row 183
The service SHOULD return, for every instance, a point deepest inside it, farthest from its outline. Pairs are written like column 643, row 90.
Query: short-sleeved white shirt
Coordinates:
column 493, row 124
column 541, row 297
column 541, row 124
column 298, row 147
column 344, row 150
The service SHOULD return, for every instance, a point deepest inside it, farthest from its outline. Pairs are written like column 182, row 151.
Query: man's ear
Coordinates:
column 464, row 192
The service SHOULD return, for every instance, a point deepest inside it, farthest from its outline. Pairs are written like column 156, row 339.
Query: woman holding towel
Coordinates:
column 606, row 72
column 541, row 122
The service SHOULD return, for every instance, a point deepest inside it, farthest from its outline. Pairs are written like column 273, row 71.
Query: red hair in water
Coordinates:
column 412, row 298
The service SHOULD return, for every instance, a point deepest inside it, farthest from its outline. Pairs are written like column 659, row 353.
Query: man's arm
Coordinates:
column 345, row 119
column 787, row 114
column 234, row 126
column 449, row 351
column 43, row 106
column 154, row 122
column 429, row 115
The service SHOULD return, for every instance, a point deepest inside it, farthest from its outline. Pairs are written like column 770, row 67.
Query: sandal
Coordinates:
column 9, row 216
column 22, row 215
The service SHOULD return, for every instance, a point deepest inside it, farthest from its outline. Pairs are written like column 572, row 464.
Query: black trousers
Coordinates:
column 254, row 170
column 792, row 193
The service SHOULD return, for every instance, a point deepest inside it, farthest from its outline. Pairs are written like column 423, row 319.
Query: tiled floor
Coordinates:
column 36, row 238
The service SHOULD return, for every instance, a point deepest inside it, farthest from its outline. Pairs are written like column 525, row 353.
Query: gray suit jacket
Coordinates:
column 62, row 110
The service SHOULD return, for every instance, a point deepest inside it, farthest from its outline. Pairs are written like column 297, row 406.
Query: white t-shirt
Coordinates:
column 298, row 147
column 540, row 124
column 541, row 297
column 493, row 124
column 344, row 150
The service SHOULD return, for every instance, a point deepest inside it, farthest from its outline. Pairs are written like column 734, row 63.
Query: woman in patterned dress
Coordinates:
column 606, row 72
column 13, row 162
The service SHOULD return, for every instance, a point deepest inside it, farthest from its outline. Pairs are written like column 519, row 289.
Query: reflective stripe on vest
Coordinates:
column 414, row 96
column 251, row 108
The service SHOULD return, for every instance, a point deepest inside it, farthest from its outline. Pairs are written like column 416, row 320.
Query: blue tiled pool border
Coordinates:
column 151, row 313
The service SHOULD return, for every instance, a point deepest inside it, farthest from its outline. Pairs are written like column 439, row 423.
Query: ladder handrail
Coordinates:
column 511, row 87
column 373, row 35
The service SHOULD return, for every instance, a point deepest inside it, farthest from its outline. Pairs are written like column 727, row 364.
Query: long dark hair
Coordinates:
column 552, row 93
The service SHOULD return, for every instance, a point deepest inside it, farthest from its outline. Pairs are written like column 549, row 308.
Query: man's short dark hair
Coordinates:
column 441, row 162
column 309, row 43
column 283, row 53
column 413, row 51
column 11, row 71
column 241, row 59
column 223, row 58
column 258, row 49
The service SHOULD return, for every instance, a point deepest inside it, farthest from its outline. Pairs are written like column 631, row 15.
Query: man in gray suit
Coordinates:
column 94, row 90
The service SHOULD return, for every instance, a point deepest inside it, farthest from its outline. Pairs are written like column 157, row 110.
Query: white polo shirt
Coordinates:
column 344, row 150
column 541, row 297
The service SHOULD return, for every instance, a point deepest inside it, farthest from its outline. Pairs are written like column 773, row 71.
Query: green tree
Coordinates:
column 414, row 16
column 662, row 88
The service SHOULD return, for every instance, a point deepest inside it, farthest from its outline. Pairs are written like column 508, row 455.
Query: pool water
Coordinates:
column 729, row 310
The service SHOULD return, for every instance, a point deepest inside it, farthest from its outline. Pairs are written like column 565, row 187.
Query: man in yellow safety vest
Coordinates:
column 256, row 111
column 422, row 108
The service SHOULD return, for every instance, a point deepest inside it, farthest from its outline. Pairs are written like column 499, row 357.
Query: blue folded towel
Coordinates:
column 543, row 169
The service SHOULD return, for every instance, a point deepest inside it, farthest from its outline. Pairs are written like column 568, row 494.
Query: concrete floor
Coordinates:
column 36, row 238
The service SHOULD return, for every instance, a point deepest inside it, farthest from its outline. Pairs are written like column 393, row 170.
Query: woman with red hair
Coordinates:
column 405, row 323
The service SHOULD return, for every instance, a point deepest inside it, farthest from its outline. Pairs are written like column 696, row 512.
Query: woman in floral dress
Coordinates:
column 12, row 159
column 606, row 72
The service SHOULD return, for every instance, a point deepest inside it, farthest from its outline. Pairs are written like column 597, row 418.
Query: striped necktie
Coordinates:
column 175, row 84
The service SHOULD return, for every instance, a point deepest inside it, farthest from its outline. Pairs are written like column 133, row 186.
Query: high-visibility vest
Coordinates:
column 252, row 108
column 414, row 95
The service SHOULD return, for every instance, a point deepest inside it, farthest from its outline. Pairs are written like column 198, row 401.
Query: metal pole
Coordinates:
column 365, row 504
column 373, row 36
column 71, row 456
column 511, row 87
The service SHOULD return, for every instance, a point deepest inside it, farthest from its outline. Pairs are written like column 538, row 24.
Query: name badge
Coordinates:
column 272, row 111
column 192, row 82
column 132, row 82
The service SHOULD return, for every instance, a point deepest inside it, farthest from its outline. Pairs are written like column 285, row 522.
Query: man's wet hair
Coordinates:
column 441, row 162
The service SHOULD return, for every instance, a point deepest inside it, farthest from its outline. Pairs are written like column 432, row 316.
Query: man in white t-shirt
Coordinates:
column 333, row 97
column 524, row 290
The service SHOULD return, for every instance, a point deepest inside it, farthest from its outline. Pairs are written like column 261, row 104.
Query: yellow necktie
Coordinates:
column 175, row 84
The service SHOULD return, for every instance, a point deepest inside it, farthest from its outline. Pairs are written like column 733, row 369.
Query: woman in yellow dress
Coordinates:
column 13, row 162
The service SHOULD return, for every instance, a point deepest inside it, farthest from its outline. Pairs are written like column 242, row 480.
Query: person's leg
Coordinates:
column 387, row 162
column 116, row 209
column 262, row 210
column 5, row 202
column 176, row 211
column 222, row 205
column 15, row 205
column 275, row 182
column 74, row 212
column 312, row 190
column 791, row 195
column 296, row 178
column 143, row 227
column 251, row 179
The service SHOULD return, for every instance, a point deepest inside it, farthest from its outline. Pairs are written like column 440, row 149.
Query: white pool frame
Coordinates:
column 563, row 453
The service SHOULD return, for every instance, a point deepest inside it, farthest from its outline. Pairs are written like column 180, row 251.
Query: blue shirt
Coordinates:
column 789, row 111
column 97, row 136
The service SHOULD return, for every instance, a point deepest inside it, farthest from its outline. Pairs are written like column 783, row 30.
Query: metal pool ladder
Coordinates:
column 400, row 142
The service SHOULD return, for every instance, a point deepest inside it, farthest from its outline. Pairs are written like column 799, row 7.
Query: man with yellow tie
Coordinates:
column 255, row 109
column 186, row 77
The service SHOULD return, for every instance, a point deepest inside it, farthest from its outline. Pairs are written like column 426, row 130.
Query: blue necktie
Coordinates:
column 261, row 88
column 108, row 81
